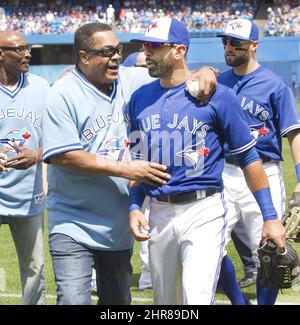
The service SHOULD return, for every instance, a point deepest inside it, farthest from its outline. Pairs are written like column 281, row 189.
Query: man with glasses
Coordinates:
column 187, row 214
column 269, row 109
column 85, row 142
column 22, row 98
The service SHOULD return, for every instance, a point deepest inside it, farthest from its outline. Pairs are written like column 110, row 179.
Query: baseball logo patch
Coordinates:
column 115, row 148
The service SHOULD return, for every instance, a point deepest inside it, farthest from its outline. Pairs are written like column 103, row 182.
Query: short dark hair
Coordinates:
column 83, row 35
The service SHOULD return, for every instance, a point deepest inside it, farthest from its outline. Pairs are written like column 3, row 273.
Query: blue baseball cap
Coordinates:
column 166, row 30
column 243, row 29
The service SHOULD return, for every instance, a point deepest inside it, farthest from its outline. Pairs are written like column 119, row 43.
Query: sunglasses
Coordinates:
column 108, row 51
column 156, row 45
column 20, row 50
column 234, row 42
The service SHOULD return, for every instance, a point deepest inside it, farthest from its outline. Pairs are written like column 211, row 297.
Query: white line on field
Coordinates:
column 17, row 295
column 147, row 300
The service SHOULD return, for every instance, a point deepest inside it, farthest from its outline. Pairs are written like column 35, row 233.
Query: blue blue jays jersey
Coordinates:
column 169, row 126
column 21, row 193
column 268, row 106
column 92, row 209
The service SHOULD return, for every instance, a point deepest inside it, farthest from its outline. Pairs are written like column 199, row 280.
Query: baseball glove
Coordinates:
column 279, row 268
column 291, row 220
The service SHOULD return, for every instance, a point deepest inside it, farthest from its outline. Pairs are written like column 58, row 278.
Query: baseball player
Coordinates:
column 22, row 98
column 85, row 142
column 268, row 106
column 187, row 214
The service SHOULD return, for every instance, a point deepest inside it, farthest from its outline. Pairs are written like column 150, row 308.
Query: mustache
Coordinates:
column 150, row 61
column 240, row 49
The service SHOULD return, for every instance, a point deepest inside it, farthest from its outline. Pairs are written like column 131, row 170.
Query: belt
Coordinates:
column 186, row 197
column 233, row 161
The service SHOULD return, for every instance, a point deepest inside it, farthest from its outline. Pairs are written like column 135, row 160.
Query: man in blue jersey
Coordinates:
column 187, row 214
column 22, row 99
column 268, row 106
column 85, row 140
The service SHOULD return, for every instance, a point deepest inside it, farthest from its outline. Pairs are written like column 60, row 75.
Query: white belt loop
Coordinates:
column 200, row 194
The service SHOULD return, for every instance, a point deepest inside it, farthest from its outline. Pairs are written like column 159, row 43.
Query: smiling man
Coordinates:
column 22, row 97
column 85, row 142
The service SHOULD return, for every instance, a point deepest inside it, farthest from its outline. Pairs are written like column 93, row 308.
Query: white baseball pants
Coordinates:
column 185, row 250
column 242, row 204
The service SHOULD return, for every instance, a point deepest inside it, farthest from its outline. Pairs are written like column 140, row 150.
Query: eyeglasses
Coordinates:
column 20, row 50
column 108, row 51
column 234, row 42
column 156, row 45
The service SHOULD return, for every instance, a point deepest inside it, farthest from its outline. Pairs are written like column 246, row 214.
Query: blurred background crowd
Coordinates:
column 203, row 18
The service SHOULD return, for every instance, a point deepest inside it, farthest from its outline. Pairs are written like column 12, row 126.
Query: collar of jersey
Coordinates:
column 171, row 89
column 89, row 85
column 249, row 75
column 13, row 93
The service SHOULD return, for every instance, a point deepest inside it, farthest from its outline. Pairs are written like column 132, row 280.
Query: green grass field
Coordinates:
column 10, row 290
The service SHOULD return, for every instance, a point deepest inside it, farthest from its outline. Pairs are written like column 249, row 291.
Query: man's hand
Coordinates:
column 25, row 159
column 3, row 160
column 139, row 225
column 207, row 81
column 144, row 171
column 274, row 230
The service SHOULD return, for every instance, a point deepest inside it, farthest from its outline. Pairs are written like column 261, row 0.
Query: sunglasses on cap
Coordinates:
column 107, row 51
column 20, row 50
column 234, row 42
column 156, row 45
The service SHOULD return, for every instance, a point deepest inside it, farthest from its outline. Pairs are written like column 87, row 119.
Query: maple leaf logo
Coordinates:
column 125, row 143
column 258, row 130
column 203, row 151
column 263, row 131
column 26, row 135
column 153, row 25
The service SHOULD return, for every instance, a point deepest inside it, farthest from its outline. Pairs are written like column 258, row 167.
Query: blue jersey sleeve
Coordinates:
column 233, row 126
column 288, row 116
column 59, row 132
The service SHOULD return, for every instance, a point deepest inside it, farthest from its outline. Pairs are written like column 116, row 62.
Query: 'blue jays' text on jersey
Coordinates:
column 268, row 106
column 92, row 209
column 169, row 126
column 21, row 193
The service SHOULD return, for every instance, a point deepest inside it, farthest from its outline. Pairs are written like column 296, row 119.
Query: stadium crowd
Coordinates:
column 203, row 18
column 283, row 19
